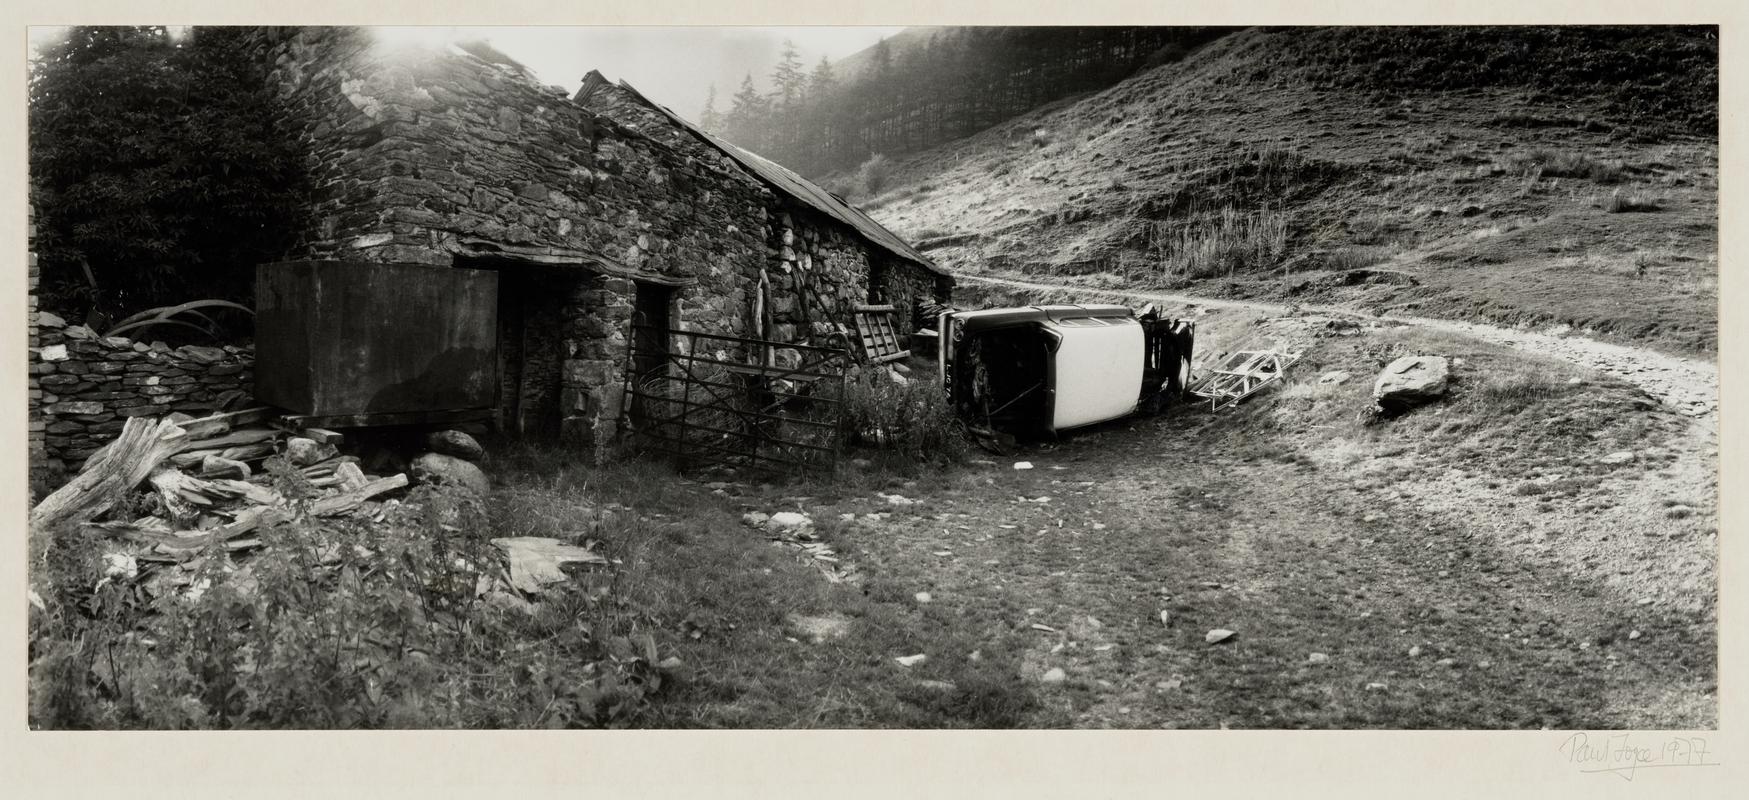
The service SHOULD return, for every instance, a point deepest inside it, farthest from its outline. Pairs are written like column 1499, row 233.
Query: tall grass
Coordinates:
column 1229, row 241
column 1551, row 163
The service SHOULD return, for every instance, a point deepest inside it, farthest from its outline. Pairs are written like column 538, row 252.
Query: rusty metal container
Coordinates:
column 362, row 343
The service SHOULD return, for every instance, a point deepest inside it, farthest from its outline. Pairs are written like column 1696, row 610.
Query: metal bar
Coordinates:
column 737, row 412
column 732, row 386
column 739, row 339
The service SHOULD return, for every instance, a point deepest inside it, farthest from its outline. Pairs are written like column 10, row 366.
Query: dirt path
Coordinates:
column 1419, row 617
column 1686, row 385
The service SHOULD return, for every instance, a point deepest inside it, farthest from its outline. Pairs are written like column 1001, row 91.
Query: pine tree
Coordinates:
column 749, row 114
column 822, row 81
column 787, row 78
column 709, row 119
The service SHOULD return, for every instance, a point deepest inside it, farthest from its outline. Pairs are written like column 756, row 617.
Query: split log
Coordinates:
column 110, row 473
column 252, row 518
column 223, row 423
column 232, row 439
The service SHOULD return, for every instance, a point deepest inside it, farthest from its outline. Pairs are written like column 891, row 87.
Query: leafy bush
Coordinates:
column 158, row 171
column 910, row 418
column 337, row 624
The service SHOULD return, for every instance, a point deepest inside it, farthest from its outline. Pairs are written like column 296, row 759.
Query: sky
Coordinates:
column 674, row 66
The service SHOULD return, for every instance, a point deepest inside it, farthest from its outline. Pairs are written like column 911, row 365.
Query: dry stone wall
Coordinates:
column 88, row 386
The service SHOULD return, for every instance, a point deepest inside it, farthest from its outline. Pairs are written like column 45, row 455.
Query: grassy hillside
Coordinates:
column 1542, row 177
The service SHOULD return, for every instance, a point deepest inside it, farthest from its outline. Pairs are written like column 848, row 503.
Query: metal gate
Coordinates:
column 709, row 399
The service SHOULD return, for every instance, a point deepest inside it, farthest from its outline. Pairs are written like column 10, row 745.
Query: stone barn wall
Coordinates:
column 89, row 386
column 435, row 156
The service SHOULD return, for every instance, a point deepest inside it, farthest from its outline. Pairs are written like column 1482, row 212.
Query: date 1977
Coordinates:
column 1620, row 755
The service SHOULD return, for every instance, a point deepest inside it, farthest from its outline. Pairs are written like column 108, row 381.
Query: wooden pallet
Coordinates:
column 1241, row 375
column 877, row 336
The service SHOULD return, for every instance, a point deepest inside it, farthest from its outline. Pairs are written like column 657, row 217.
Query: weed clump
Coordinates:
column 1228, row 242
column 908, row 416
column 1619, row 202
column 386, row 622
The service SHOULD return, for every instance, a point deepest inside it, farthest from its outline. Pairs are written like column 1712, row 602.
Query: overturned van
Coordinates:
column 1038, row 370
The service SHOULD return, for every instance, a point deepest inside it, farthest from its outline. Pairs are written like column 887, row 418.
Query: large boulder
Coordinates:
column 1410, row 381
column 439, row 469
column 455, row 443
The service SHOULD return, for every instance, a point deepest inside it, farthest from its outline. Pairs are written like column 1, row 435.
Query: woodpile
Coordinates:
column 202, row 481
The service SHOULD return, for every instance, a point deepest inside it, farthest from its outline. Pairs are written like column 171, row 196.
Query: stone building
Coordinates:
column 592, row 209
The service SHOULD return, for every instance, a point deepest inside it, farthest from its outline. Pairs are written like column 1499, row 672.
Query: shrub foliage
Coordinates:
column 157, row 171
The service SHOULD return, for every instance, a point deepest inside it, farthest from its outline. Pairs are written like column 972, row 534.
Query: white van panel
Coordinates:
column 1099, row 370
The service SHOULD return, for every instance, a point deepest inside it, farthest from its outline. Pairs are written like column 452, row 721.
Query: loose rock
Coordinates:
column 1218, row 635
column 437, row 468
column 455, row 443
column 1055, row 675
column 1411, row 381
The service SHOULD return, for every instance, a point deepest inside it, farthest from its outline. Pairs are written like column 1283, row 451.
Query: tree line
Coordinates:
column 911, row 97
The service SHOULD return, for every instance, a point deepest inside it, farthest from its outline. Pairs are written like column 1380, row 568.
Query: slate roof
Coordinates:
column 782, row 179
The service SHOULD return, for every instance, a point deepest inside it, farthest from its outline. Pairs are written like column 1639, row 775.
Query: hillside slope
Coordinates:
column 1538, row 177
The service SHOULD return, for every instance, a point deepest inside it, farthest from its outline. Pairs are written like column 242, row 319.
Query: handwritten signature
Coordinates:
column 1622, row 754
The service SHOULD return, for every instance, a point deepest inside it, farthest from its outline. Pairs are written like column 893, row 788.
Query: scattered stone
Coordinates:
column 1377, row 687
column 912, row 661
column 214, row 466
column 1318, row 658
column 1411, row 381
column 202, row 354
column 437, row 468
column 1169, row 684
column 455, row 443
column 1617, row 457
column 936, row 686
column 790, row 523
column 1415, row 651
column 1632, row 635
column 1054, row 675
column 896, row 499
column 923, row 597
column 1447, row 662
column 1336, row 377
column 302, row 452
column 755, row 519
column 1023, row 465
column 1166, row 618
column 1218, row 635
column 534, row 560
column 819, row 628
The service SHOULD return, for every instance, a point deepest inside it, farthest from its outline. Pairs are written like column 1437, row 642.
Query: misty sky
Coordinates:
column 673, row 65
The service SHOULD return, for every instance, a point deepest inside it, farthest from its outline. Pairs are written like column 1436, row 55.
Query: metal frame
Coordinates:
column 757, row 400
column 1241, row 375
